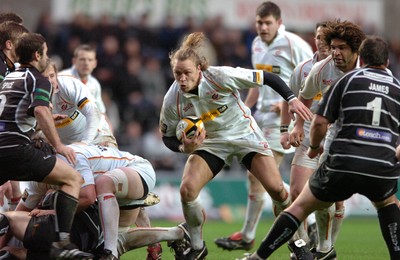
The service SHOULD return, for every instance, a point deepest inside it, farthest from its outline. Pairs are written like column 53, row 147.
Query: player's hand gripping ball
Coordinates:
column 189, row 125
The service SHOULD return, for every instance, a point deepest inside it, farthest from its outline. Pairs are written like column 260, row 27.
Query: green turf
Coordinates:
column 359, row 238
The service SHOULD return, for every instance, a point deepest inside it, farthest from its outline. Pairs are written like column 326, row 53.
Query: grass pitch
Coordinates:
column 359, row 238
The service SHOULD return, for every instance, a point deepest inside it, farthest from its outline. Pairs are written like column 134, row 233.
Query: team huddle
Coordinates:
column 334, row 109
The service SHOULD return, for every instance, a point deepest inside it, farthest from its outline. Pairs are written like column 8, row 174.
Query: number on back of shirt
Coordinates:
column 375, row 105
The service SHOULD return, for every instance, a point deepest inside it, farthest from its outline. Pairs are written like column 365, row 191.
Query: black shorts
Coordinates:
column 39, row 235
column 333, row 186
column 215, row 163
column 25, row 163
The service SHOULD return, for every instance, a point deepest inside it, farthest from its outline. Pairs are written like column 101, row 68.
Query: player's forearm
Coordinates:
column 319, row 127
column 277, row 84
column 93, row 118
column 172, row 143
column 46, row 124
column 285, row 117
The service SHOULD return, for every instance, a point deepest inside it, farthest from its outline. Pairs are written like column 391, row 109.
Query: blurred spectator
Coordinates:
column 141, row 110
column 112, row 110
column 131, row 139
column 158, row 154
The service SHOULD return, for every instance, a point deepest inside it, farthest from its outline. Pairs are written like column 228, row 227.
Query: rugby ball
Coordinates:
column 189, row 125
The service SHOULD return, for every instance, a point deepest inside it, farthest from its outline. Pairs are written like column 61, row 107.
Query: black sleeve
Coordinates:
column 277, row 84
column 172, row 143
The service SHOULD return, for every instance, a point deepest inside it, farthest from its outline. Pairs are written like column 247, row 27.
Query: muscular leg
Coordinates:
column 196, row 175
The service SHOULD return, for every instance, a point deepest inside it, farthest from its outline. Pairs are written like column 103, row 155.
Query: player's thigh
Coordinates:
column 265, row 170
column 62, row 173
column 196, row 174
column 299, row 176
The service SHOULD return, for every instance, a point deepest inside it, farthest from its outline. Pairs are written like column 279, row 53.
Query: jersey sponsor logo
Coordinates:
column 163, row 128
column 25, row 195
column 269, row 68
column 211, row 115
column 68, row 120
column 318, row 96
column 374, row 135
column 379, row 88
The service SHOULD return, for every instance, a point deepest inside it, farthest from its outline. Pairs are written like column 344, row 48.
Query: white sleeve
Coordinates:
column 33, row 194
column 75, row 91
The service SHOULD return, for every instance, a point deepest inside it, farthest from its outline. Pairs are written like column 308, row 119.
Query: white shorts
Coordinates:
column 301, row 158
column 228, row 149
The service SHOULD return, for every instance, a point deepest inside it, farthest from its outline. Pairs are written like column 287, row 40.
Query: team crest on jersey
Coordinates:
column 327, row 81
column 215, row 96
column 187, row 107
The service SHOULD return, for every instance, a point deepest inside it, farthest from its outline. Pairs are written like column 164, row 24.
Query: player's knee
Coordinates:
column 188, row 192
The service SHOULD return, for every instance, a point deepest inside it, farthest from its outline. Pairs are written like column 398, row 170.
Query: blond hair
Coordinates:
column 192, row 48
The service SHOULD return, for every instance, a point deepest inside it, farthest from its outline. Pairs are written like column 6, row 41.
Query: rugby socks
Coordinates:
column 65, row 206
column 109, row 217
column 281, row 231
column 337, row 223
column 255, row 205
column 389, row 221
column 279, row 206
column 195, row 218
column 324, row 219
column 139, row 237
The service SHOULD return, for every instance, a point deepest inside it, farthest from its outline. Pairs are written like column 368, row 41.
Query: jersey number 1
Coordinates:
column 375, row 105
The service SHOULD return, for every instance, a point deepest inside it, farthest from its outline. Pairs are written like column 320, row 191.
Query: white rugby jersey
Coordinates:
column 91, row 160
column 321, row 77
column 297, row 80
column 217, row 103
column 281, row 56
column 73, row 99
column 93, row 85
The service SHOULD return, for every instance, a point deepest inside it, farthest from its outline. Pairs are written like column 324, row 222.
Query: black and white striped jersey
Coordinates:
column 20, row 92
column 365, row 103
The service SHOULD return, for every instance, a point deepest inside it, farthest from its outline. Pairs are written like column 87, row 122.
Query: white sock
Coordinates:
column 337, row 223
column 279, row 206
column 301, row 233
column 324, row 223
column 139, row 237
column 109, row 217
column 195, row 218
column 255, row 204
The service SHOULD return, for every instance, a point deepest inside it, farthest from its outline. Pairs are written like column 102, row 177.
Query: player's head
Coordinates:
column 10, row 16
column 374, row 51
column 188, row 61
column 323, row 48
column 32, row 49
column 84, row 60
column 10, row 33
column 51, row 74
column 344, row 39
column 268, row 21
